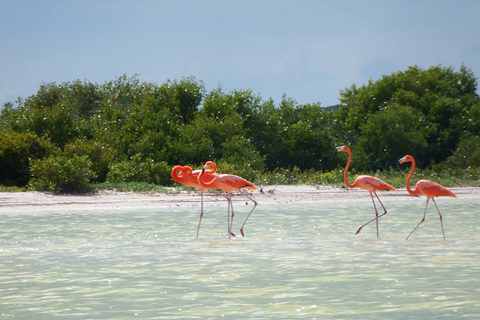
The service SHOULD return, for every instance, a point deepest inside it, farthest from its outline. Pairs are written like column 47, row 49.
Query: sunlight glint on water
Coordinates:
column 297, row 261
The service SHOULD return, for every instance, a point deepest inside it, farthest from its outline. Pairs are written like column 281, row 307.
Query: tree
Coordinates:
column 440, row 96
column 390, row 134
column 294, row 135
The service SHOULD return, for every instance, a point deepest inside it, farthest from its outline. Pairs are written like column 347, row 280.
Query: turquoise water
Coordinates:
column 297, row 261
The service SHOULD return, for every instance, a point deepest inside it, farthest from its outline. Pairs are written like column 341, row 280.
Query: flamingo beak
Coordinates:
column 338, row 149
column 402, row 160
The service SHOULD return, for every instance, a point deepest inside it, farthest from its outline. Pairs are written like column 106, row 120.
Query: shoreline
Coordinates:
column 34, row 201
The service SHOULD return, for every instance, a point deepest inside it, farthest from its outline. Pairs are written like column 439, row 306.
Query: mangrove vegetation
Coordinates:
column 80, row 135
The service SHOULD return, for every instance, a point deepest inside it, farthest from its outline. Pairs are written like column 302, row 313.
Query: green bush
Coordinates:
column 61, row 174
column 280, row 176
column 160, row 173
column 140, row 170
column 100, row 155
column 334, row 177
column 467, row 153
column 127, row 171
column 16, row 152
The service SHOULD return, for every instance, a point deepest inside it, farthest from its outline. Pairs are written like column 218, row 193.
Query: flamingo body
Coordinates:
column 371, row 184
column 228, row 182
column 432, row 189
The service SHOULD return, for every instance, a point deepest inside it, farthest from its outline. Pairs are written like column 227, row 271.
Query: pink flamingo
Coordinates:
column 229, row 183
column 428, row 188
column 186, row 176
column 369, row 183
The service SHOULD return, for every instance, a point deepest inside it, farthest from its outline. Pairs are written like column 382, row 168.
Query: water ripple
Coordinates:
column 297, row 261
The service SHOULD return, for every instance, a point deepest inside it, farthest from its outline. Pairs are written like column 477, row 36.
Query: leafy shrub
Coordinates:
column 16, row 151
column 160, row 173
column 138, row 170
column 280, row 176
column 127, row 171
column 467, row 153
column 242, row 158
column 100, row 155
column 239, row 168
column 61, row 174
column 334, row 177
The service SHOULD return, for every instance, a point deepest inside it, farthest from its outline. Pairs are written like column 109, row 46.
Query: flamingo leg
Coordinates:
column 423, row 219
column 254, row 206
column 201, row 214
column 376, row 215
column 230, row 233
column 384, row 210
column 440, row 216
column 228, row 216
column 229, row 224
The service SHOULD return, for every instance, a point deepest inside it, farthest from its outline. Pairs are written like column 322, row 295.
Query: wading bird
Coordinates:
column 186, row 176
column 428, row 188
column 228, row 183
column 369, row 183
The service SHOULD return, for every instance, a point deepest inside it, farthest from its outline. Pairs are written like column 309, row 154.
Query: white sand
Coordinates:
column 29, row 202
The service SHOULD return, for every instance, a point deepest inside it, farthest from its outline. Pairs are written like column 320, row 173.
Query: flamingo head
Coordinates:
column 176, row 170
column 210, row 164
column 407, row 158
column 342, row 149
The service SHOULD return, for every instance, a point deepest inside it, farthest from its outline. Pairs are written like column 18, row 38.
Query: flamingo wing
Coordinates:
column 370, row 183
column 193, row 178
column 236, row 182
column 433, row 189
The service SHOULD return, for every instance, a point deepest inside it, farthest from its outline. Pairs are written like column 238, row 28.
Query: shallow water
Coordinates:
column 296, row 261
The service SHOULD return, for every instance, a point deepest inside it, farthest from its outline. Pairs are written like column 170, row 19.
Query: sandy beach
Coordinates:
column 27, row 202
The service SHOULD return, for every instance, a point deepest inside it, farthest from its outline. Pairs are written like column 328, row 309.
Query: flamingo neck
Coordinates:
column 214, row 167
column 346, row 170
column 174, row 172
column 187, row 173
column 205, row 172
column 409, row 178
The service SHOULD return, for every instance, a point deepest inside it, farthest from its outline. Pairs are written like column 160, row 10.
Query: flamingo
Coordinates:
column 369, row 183
column 186, row 176
column 229, row 183
column 428, row 188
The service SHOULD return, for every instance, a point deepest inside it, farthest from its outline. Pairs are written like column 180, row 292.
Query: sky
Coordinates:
column 308, row 50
